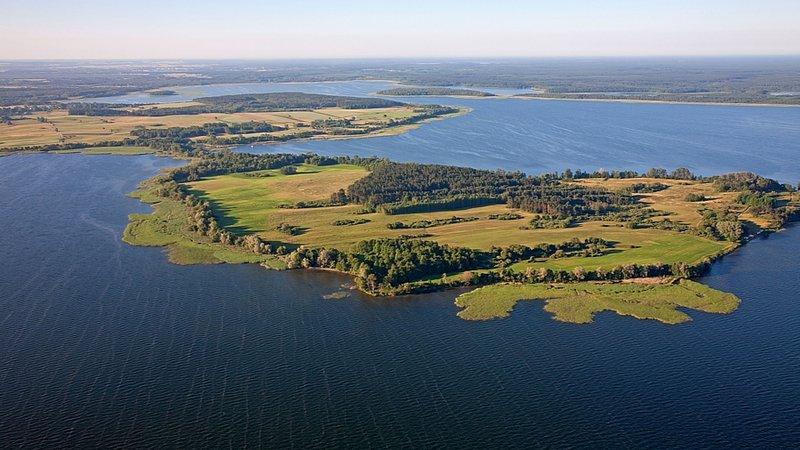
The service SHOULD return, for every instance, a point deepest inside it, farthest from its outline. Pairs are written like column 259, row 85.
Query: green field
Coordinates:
column 244, row 201
column 248, row 203
column 167, row 227
column 579, row 302
column 642, row 247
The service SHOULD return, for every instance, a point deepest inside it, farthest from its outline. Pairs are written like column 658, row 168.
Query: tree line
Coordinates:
column 228, row 104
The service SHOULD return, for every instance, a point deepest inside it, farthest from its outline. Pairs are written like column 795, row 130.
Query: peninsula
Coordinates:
column 583, row 242
column 216, row 121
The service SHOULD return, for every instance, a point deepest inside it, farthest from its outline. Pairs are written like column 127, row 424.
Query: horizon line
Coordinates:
column 376, row 58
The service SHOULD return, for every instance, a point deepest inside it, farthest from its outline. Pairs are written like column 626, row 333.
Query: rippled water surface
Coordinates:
column 106, row 344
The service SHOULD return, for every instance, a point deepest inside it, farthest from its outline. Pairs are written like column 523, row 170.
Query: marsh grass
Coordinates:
column 580, row 302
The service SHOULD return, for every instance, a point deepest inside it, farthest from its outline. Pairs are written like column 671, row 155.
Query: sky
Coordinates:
column 48, row 29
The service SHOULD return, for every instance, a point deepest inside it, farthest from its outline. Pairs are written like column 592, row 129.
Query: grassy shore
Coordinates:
column 580, row 302
column 167, row 226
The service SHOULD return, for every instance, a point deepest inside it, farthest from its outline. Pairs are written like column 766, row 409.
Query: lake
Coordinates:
column 104, row 344
column 544, row 135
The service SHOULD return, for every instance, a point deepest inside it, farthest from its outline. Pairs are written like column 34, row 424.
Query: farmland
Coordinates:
column 60, row 127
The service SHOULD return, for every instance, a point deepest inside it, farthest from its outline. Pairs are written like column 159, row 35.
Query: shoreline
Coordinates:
column 385, row 132
column 495, row 96
column 655, row 102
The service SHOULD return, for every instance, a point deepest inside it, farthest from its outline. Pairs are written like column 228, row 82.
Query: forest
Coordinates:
column 401, row 188
column 279, row 101
column 181, row 134
column 433, row 91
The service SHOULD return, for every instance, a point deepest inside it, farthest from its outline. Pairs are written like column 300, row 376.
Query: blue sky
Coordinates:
column 377, row 28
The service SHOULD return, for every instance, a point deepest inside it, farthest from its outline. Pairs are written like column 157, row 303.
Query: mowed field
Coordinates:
column 61, row 128
column 248, row 203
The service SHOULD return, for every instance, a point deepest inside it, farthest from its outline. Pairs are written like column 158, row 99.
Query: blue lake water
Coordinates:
column 544, row 135
column 106, row 344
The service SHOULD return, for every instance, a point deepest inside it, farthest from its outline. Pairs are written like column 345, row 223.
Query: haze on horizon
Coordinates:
column 93, row 29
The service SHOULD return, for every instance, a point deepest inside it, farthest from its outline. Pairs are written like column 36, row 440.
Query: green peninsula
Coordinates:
column 583, row 242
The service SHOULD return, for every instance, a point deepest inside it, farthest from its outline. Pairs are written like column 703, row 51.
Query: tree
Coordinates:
column 682, row 173
column 656, row 172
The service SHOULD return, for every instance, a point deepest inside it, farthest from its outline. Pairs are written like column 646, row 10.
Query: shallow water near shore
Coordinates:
column 107, row 344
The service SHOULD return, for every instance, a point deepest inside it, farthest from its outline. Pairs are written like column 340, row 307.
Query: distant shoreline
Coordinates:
column 665, row 102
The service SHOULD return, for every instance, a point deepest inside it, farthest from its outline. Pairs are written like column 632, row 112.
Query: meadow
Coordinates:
column 250, row 203
column 167, row 226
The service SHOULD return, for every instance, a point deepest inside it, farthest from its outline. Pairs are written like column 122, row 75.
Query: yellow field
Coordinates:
column 673, row 199
column 62, row 128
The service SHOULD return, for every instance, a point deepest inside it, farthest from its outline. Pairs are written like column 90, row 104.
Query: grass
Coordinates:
column 673, row 199
column 249, row 204
column 642, row 247
column 62, row 128
column 579, row 302
column 166, row 227
column 244, row 202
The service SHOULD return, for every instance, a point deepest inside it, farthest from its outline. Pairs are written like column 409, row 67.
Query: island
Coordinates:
column 433, row 91
column 582, row 242
column 162, row 93
column 212, row 121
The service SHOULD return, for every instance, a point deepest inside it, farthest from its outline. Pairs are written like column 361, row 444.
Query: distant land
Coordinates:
column 434, row 91
column 755, row 80
column 223, row 120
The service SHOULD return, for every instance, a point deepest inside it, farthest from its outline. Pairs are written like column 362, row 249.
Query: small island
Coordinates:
column 162, row 93
column 582, row 242
column 433, row 91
